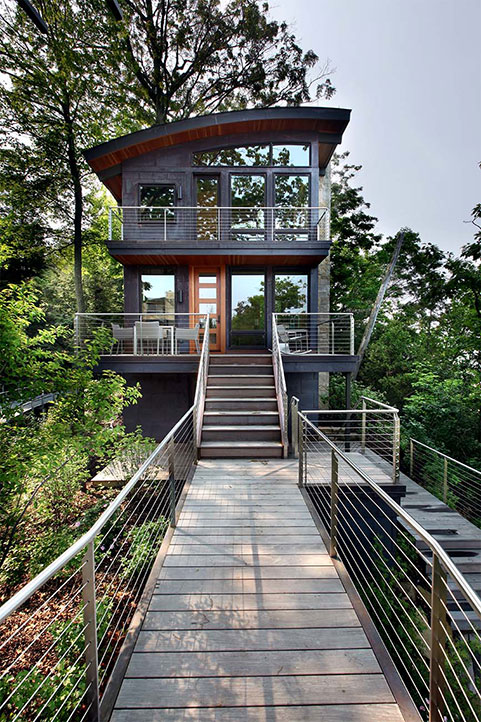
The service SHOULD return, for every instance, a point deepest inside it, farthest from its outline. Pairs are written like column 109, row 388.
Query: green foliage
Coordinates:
column 143, row 545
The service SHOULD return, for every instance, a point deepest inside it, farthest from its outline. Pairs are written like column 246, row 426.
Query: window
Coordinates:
column 207, row 191
column 291, row 155
column 247, row 309
column 290, row 293
column 292, row 203
column 154, row 199
column 248, row 194
column 158, row 293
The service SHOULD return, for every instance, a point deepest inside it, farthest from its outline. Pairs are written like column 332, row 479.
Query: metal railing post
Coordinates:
column 110, row 224
column 445, row 481
column 76, row 331
column 300, row 445
column 165, row 224
column 334, row 503
column 90, row 634
column 351, row 329
column 437, row 642
column 171, row 457
column 363, row 427
column 396, row 447
column 295, row 425
column 411, row 458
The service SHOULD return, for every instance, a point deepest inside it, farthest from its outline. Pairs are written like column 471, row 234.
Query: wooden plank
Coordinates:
column 253, row 548
column 246, row 586
column 241, row 602
column 181, row 537
column 252, row 664
column 238, row 691
column 242, row 573
column 215, row 640
column 291, row 713
column 253, row 530
column 242, row 560
column 254, row 619
column 224, row 523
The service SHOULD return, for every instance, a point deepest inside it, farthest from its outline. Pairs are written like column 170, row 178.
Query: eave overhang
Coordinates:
column 329, row 123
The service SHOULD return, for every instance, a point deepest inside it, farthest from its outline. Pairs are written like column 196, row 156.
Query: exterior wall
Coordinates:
column 165, row 399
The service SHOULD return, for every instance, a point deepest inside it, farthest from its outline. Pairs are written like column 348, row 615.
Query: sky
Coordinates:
column 410, row 70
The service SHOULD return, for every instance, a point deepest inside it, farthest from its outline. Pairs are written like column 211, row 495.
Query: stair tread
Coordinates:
column 241, row 412
column 240, row 444
column 267, row 427
column 255, row 398
column 241, row 376
column 244, row 388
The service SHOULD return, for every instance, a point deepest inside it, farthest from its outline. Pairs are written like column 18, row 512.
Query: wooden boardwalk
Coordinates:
column 249, row 619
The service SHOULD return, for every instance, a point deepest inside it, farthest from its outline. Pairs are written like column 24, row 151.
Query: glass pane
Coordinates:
column 290, row 293
column 158, row 293
column 290, row 237
column 207, row 279
column 290, row 155
column 291, row 196
column 248, row 194
column 244, row 155
column 207, row 307
column 247, row 339
column 208, row 292
column 157, row 196
column 248, row 302
column 207, row 201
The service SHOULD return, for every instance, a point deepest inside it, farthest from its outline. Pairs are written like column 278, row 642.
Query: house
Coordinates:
column 227, row 215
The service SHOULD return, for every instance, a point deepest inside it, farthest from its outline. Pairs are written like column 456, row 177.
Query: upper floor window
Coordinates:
column 154, row 199
column 292, row 155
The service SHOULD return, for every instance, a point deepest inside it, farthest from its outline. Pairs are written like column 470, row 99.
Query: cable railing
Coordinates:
column 369, row 434
column 142, row 334
column 62, row 633
column 456, row 484
column 200, row 390
column 281, row 387
column 425, row 611
column 215, row 225
column 316, row 333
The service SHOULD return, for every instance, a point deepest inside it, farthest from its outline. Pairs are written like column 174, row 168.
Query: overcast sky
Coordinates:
column 410, row 70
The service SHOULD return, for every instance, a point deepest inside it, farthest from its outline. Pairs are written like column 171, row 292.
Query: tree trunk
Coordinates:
column 78, row 211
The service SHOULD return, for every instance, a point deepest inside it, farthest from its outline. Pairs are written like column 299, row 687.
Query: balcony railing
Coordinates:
column 315, row 333
column 142, row 334
column 219, row 225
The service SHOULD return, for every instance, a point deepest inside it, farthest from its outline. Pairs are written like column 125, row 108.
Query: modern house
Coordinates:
column 226, row 215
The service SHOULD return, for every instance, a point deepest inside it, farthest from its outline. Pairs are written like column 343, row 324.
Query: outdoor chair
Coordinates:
column 148, row 335
column 120, row 336
column 187, row 334
column 293, row 340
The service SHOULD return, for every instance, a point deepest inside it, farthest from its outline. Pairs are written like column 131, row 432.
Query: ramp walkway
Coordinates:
column 249, row 619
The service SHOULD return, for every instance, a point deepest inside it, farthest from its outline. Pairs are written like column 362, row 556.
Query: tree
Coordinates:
column 192, row 57
column 54, row 101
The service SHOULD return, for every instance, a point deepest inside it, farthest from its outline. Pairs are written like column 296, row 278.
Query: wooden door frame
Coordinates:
column 218, row 270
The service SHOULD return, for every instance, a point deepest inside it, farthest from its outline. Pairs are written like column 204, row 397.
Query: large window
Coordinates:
column 291, row 155
column 247, row 309
column 158, row 293
column 248, row 194
column 291, row 194
column 290, row 293
column 154, row 199
column 207, row 191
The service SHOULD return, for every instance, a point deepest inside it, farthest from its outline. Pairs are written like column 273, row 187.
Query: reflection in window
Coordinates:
column 290, row 293
column 292, row 201
column 207, row 202
column 244, row 155
column 248, row 193
column 290, row 155
column 247, row 302
column 158, row 293
column 156, row 198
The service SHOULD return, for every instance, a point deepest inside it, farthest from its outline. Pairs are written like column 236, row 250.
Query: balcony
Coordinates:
column 303, row 230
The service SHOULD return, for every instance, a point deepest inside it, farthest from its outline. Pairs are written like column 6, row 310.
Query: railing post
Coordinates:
column 300, row 445
column 295, row 425
column 165, row 224
column 445, row 481
column 76, row 332
column 334, row 503
column 171, row 457
column 90, row 634
column 363, row 427
column 351, row 330
column 396, row 446
column 437, row 642
column 411, row 457
column 333, row 342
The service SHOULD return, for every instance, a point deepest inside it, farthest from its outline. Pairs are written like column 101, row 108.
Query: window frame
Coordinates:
column 171, row 218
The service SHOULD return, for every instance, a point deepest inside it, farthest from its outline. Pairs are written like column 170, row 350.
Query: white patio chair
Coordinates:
column 293, row 340
column 187, row 334
column 120, row 336
column 148, row 334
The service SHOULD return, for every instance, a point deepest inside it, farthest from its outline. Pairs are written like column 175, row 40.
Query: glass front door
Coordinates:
column 208, row 299
column 248, row 310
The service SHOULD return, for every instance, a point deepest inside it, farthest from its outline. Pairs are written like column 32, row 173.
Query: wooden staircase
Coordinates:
column 241, row 416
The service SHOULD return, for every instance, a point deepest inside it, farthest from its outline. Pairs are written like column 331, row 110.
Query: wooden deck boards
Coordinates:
column 249, row 620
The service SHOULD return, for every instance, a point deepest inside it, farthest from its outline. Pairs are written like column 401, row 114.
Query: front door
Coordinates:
column 208, row 297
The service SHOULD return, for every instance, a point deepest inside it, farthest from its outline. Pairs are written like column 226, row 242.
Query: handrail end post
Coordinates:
column 90, row 633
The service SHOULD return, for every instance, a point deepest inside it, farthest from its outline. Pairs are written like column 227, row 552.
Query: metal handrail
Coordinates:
column 281, row 387
column 35, row 584
column 322, row 333
column 429, row 540
column 200, row 389
column 445, row 456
